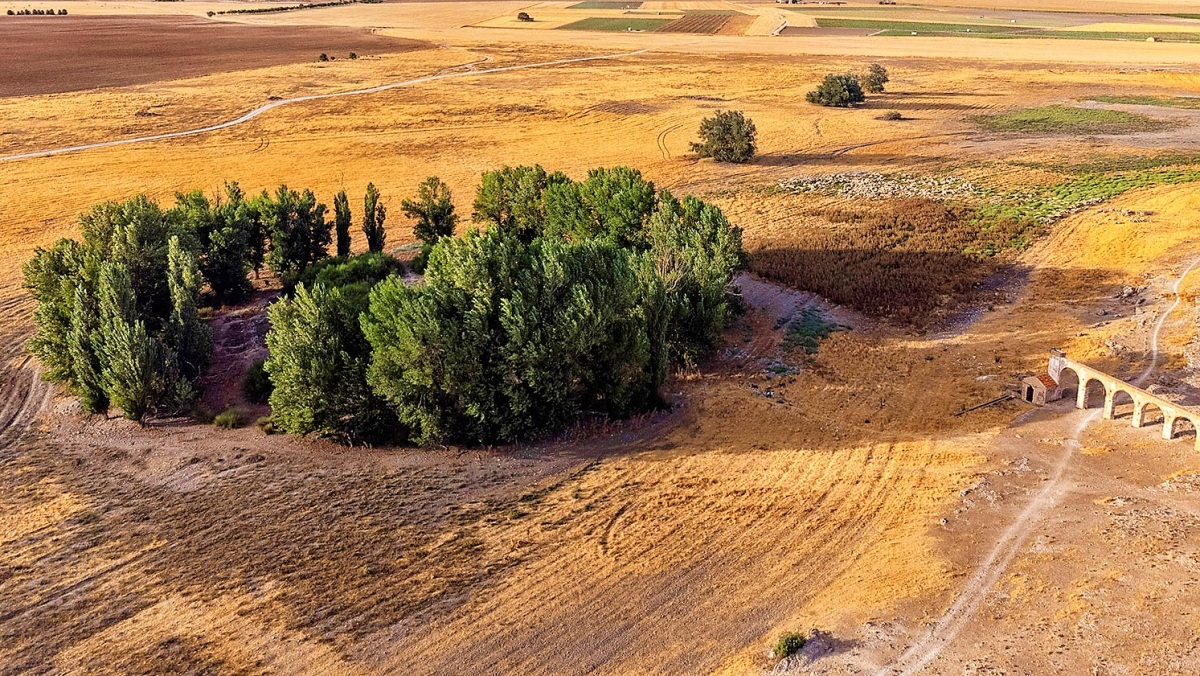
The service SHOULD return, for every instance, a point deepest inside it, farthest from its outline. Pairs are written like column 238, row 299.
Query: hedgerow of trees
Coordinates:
column 728, row 136
column 578, row 297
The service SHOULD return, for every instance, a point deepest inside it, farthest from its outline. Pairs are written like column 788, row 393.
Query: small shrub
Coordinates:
column 267, row 425
column 229, row 419
column 11, row 13
column 353, row 56
column 323, row 57
column 874, row 79
column 789, row 644
column 524, row 16
column 892, row 116
column 257, row 384
column 211, row 13
column 727, row 137
column 840, row 91
column 201, row 414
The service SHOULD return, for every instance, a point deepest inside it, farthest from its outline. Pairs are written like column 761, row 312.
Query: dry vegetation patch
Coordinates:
column 897, row 258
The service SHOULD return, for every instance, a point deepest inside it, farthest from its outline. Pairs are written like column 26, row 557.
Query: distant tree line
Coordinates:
column 117, row 318
column 36, row 12
column 286, row 8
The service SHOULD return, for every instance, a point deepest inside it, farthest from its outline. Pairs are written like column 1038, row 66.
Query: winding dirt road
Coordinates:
column 314, row 97
column 920, row 654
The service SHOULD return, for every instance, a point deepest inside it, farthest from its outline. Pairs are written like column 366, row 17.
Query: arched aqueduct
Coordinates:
column 1118, row 392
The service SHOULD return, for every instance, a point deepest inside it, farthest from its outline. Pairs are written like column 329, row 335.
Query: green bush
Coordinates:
column 368, row 268
column 117, row 314
column 513, row 198
column 837, row 91
column 295, row 223
column 727, row 136
column 318, row 366
column 229, row 419
column 266, row 424
column 789, row 644
column 256, row 386
column 874, row 79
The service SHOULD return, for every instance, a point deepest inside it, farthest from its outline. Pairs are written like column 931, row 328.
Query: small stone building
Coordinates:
column 1040, row 389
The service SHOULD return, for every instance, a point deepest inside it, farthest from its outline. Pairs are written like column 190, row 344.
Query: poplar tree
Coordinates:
column 341, row 220
column 373, row 217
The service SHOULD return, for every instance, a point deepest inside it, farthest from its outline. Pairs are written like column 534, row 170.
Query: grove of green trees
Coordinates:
column 571, row 297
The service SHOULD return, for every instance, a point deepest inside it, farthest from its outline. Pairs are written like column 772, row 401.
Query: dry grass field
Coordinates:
column 851, row 500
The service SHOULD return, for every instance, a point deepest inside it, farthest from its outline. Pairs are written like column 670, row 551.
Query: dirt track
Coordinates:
column 46, row 55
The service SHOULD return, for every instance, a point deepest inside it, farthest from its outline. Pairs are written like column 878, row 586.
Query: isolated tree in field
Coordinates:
column 513, row 198
column 727, row 136
column 840, row 91
column 373, row 217
column 342, row 222
column 874, row 79
column 298, row 230
column 524, row 16
column 433, row 211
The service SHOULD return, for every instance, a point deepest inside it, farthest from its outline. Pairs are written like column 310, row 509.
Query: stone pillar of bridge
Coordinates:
column 1168, row 425
column 1081, row 395
column 1139, row 412
column 1109, row 397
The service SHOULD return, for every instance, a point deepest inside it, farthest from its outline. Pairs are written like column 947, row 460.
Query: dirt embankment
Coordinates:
column 48, row 55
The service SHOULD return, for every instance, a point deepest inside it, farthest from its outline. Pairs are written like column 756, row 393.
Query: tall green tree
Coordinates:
column 612, row 203
column 513, row 198
column 342, row 222
column 190, row 338
column 318, row 363
column 374, row 215
column 433, row 213
column 87, row 381
column 299, row 233
column 132, row 359
column 223, row 233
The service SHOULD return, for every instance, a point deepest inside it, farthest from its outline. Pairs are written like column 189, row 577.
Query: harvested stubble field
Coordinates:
column 850, row 499
column 45, row 55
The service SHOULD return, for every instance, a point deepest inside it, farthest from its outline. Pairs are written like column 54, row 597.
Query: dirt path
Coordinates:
column 980, row 584
column 314, row 97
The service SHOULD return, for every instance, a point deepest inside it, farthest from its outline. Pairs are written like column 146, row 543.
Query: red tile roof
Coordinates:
column 1047, row 381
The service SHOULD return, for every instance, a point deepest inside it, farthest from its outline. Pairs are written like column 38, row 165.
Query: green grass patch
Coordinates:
column 1184, row 16
column 905, row 27
column 615, row 24
column 1115, row 163
column 1188, row 102
column 605, row 4
column 1022, row 216
column 806, row 330
column 1070, row 120
column 1105, row 35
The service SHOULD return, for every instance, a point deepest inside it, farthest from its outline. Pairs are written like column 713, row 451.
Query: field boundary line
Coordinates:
column 980, row 584
column 312, row 97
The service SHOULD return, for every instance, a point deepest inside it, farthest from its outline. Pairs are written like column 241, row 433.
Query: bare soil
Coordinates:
column 46, row 55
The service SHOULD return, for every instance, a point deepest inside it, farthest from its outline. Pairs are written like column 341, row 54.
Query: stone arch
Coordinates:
column 1152, row 414
column 1183, row 426
column 1068, row 382
column 1093, row 393
column 1123, row 404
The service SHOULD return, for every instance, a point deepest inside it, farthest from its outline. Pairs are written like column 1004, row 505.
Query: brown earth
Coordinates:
column 45, row 55
column 680, row 542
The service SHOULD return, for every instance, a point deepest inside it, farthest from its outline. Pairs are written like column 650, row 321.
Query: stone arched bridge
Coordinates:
column 1118, row 392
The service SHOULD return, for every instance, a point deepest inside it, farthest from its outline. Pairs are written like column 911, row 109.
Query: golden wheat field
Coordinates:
column 849, row 490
